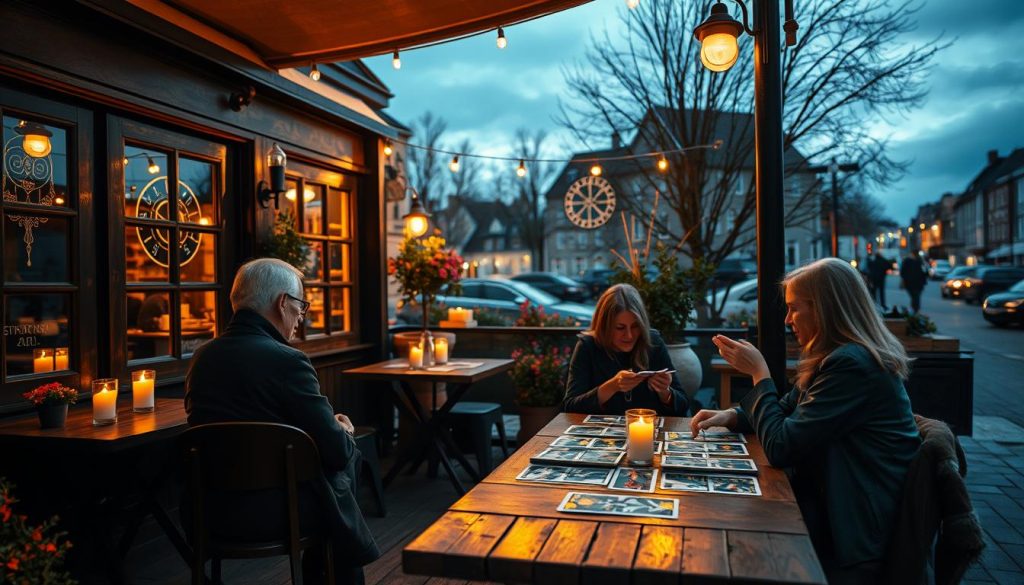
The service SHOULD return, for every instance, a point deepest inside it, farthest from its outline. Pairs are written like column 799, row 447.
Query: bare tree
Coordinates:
column 849, row 67
column 424, row 165
column 529, row 146
column 465, row 183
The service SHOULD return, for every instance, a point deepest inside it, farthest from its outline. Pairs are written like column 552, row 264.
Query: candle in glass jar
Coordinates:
column 415, row 356
column 60, row 357
column 441, row 350
column 143, row 382
column 104, row 401
column 42, row 360
column 640, row 442
column 460, row 315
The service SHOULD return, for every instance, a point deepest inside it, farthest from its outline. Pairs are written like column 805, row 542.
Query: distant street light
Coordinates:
column 833, row 216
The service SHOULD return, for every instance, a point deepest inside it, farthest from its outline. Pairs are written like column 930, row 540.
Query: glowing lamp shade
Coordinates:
column 35, row 139
column 388, row 149
column 416, row 221
column 719, row 51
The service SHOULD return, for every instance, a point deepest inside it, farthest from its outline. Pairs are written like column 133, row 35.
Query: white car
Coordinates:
column 741, row 297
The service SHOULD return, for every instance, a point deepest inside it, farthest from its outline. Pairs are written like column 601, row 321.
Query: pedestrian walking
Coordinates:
column 914, row 277
column 878, row 267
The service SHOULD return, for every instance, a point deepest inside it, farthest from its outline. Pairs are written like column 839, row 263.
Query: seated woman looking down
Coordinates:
column 846, row 430
column 610, row 367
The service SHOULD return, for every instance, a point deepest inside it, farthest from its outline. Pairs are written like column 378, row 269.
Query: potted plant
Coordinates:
column 51, row 402
column 29, row 554
column 539, row 371
column 285, row 243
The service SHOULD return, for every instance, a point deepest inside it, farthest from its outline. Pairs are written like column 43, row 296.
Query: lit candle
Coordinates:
column 460, row 315
column 61, row 358
column 42, row 360
column 415, row 356
column 441, row 350
column 640, row 442
column 143, row 382
column 104, row 401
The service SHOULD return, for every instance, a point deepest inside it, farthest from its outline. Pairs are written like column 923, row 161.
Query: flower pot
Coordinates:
column 52, row 416
column 533, row 419
column 687, row 366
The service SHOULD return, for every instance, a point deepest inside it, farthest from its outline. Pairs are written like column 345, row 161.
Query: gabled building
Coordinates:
column 487, row 234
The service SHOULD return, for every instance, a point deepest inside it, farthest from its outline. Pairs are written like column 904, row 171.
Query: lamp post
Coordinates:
column 833, row 215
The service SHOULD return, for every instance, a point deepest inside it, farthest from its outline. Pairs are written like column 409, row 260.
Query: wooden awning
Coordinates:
column 289, row 33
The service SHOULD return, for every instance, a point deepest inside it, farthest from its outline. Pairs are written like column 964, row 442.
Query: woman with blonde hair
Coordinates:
column 845, row 430
column 621, row 362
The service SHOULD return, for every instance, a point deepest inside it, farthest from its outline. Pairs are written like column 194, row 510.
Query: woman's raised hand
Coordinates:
column 713, row 418
column 743, row 356
column 626, row 380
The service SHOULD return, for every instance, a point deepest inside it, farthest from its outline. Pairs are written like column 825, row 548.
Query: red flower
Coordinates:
column 12, row 564
column 37, row 535
column 5, row 512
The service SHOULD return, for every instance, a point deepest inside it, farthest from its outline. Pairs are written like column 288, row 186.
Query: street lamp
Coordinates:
column 833, row 215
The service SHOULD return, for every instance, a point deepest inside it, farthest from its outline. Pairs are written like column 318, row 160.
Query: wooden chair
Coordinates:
column 239, row 457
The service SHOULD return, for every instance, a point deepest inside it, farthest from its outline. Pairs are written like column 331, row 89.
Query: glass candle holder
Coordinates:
column 104, row 401
column 61, row 358
column 42, row 361
column 441, row 351
column 640, row 436
column 415, row 356
column 143, row 390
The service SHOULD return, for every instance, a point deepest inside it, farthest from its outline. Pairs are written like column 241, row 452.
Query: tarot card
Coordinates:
column 676, row 436
column 677, row 447
column 587, row 430
column 620, row 505
column 721, row 436
column 634, row 479
column 743, row 486
column 565, row 474
column 614, row 432
column 557, row 454
column 607, row 443
column 605, row 419
column 746, row 466
column 684, row 482
column 726, row 449
column 570, row 441
column 657, row 447
column 688, row 463
column 600, row 457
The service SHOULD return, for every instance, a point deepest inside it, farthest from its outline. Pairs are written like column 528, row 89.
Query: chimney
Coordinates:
column 993, row 157
column 616, row 140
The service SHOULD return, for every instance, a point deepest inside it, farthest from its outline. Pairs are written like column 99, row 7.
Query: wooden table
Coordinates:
column 510, row 531
column 727, row 373
column 86, row 445
column 432, row 433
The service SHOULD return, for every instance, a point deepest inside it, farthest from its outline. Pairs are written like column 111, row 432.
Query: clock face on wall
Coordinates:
column 590, row 202
column 153, row 204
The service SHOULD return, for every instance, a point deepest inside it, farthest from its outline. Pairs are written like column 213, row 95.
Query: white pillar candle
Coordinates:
column 415, row 356
column 143, row 390
column 61, row 358
column 640, row 444
column 104, row 401
column 42, row 360
column 441, row 350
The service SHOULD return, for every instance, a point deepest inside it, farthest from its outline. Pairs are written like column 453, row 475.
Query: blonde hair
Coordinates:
column 619, row 298
column 845, row 314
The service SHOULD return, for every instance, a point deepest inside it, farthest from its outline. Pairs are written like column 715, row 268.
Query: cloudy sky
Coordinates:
column 976, row 100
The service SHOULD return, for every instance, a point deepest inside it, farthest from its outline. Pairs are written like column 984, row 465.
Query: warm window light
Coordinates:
column 662, row 164
column 204, row 221
column 396, row 61
column 388, row 149
column 502, row 41
column 314, row 72
column 922, row 226
column 521, row 169
column 35, row 139
column 595, row 170
column 935, row 227
column 307, row 194
column 152, row 167
column 718, row 35
column 909, row 229
column 454, row 165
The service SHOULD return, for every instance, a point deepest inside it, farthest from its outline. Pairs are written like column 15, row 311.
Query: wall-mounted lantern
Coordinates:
column 276, row 161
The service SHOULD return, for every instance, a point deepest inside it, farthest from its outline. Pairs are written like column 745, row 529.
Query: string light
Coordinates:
column 314, row 73
column 387, row 148
column 595, row 170
column 521, row 169
column 663, row 164
column 396, row 61
column 454, row 165
column 502, row 41
column 631, row 4
column 153, row 168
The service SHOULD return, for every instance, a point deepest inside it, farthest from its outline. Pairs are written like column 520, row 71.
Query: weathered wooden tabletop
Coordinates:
column 510, row 531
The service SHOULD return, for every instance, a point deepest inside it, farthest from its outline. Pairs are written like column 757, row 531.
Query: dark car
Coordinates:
column 957, row 281
column 990, row 279
column 502, row 298
column 1007, row 307
column 596, row 281
column 557, row 285
column 734, row 270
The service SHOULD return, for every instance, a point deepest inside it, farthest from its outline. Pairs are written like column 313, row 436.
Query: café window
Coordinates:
column 39, row 215
column 323, row 216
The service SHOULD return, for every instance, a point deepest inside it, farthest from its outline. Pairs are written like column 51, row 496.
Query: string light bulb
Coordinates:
column 502, row 41
column 314, row 72
column 596, row 170
column 396, row 61
column 663, row 164
column 632, row 4
column 521, row 169
column 454, row 165
column 388, row 149
column 152, row 167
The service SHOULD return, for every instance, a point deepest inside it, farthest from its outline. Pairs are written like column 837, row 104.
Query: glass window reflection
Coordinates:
column 35, row 327
column 45, row 258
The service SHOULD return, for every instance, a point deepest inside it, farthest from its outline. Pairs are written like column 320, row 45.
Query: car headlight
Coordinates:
column 1014, row 304
column 957, row 284
column 984, row 304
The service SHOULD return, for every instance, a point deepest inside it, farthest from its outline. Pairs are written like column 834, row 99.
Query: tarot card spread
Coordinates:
column 683, row 461
column 565, row 474
column 620, row 505
column 575, row 456
column 715, row 484
column 713, row 436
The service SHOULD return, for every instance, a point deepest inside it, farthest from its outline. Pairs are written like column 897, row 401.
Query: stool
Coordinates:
column 366, row 441
column 476, row 418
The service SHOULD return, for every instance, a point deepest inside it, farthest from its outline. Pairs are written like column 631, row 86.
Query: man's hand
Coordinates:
column 713, row 418
column 345, row 423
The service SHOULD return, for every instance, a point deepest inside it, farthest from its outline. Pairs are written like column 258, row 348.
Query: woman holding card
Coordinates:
column 845, row 430
column 621, row 362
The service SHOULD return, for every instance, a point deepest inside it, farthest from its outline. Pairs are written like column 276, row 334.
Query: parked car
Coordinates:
column 1007, row 307
column 502, row 297
column 734, row 270
column 557, row 285
column 939, row 269
column 597, row 280
column 740, row 297
column 957, row 281
column 988, row 280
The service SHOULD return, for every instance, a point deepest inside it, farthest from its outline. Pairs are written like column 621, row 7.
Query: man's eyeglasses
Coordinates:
column 303, row 305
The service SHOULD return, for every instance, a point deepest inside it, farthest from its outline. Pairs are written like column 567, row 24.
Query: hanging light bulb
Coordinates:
column 502, row 41
column 454, row 165
column 718, row 34
column 387, row 148
column 35, row 139
column 417, row 220
column 596, row 170
column 662, row 164
column 521, row 169
column 631, row 4
column 153, row 168
column 396, row 61
column 314, row 73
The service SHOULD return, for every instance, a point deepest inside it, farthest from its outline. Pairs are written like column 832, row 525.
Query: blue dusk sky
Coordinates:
column 975, row 103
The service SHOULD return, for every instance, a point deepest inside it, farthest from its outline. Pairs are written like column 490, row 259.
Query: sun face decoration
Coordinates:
column 590, row 202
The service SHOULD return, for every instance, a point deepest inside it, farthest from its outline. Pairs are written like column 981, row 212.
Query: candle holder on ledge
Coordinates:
column 104, row 401
column 640, row 436
column 143, row 390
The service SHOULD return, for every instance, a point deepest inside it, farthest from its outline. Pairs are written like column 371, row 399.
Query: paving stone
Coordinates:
column 1016, row 552
column 998, row 528
column 976, row 572
column 1014, row 492
column 998, row 479
column 983, row 489
column 994, row 559
column 1008, row 577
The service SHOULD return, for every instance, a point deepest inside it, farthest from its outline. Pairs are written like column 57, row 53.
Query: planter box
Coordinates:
column 898, row 327
column 931, row 343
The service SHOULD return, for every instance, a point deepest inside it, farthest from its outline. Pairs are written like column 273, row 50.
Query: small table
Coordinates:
column 510, row 531
column 431, row 433
column 727, row 372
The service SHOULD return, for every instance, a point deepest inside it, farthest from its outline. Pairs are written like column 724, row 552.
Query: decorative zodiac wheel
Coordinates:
column 153, row 203
column 590, row 202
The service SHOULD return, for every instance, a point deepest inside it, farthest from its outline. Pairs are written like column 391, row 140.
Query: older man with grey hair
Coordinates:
column 250, row 373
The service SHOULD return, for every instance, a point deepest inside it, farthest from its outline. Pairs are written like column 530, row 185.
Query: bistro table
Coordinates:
column 83, row 447
column 431, row 433
column 510, row 531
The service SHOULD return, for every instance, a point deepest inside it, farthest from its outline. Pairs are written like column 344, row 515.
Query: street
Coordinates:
column 998, row 352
